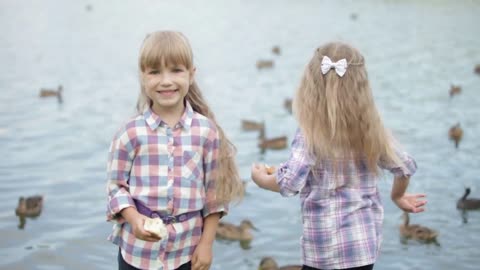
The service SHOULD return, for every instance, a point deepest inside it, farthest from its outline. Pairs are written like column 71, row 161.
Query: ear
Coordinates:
column 192, row 75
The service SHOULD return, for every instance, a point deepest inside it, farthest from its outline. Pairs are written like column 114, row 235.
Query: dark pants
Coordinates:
column 366, row 267
column 123, row 265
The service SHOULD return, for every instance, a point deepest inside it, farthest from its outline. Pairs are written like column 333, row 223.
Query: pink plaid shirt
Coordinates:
column 342, row 212
column 171, row 170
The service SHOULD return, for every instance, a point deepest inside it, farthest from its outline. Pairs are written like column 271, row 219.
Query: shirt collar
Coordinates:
column 154, row 121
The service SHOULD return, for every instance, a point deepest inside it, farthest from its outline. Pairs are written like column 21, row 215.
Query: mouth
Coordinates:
column 167, row 92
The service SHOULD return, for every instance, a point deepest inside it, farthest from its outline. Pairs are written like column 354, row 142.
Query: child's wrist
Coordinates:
column 206, row 243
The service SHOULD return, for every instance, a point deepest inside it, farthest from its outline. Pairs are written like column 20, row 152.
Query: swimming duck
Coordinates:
column 264, row 64
column 468, row 204
column 268, row 263
column 276, row 50
column 287, row 104
column 29, row 207
column 44, row 92
column 276, row 143
column 417, row 232
column 232, row 232
column 249, row 125
column 455, row 133
column 455, row 90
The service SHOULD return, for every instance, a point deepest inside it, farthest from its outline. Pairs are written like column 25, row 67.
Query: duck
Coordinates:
column 417, row 232
column 249, row 125
column 45, row 92
column 236, row 233
column 276, row 143
column 455, row 90
column 468, row 204
column 287, row 104
column 30, row 206
column 455, row 133
column 264, row 64
column 276, row 50
column 268, row 263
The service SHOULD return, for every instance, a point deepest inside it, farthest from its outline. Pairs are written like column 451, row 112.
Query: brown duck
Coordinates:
column 268, row 263
column 233, row 232
column 415, row 231
column 468, row 204
column 287, row 104
column 455, row 133
column 276, row 143
column 29, row 207
column 276, row 50
column 249, row 125
column 44, row 92
column 477, row 69
column 261, row 64
column 455, row 90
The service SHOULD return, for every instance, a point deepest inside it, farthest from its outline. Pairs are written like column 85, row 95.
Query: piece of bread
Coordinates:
column 156, row 226
column 270, row 169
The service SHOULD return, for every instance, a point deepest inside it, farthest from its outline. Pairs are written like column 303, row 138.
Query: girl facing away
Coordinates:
column 335, row 163
column 171, row 161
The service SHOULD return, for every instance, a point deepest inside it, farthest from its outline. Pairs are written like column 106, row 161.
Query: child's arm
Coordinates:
column 120, row 207
column 137, row 220
column 264, row 180
column 406, row 202
column 290, row 177
column 202, row 256
column 120, row 163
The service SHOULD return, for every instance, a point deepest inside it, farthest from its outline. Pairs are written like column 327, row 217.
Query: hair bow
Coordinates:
column 340, row 66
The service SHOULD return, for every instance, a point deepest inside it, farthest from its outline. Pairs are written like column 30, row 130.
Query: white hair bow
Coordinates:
column 340, row 66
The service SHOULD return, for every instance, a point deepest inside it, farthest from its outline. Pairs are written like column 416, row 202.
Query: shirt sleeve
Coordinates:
column 210, row 154
column 292, row 175
column 407, row 167
column 120, row 162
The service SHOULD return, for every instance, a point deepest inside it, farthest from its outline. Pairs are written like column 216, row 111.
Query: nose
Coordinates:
column 165, row 79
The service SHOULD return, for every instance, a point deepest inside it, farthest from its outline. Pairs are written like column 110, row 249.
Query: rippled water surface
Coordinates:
column 414, row 49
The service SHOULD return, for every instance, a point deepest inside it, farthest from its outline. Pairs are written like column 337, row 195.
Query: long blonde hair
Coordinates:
column 337, row 115
column 165, row 47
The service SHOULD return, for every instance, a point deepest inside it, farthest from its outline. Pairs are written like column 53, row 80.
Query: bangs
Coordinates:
column 165, row 49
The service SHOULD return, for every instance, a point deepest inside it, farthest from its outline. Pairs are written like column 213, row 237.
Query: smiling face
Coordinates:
column 166, row 71
column 167, row 86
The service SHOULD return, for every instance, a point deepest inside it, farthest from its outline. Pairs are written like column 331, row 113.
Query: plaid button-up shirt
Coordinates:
column 341, row 207
column 171, row 170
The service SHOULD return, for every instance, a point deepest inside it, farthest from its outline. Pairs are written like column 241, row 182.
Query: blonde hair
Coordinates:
column 169, row 47
column 338, row 116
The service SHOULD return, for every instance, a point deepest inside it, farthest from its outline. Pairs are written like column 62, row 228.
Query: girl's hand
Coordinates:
column 137, row 226
column 410, row 202
column 202, row 257
column 259, row 173
column 264, row 179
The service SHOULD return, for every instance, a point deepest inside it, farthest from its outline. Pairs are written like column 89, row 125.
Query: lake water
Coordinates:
column 414, row 50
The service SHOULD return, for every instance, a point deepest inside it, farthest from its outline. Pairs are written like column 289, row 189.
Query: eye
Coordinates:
column 153, row 71
column 178, row 69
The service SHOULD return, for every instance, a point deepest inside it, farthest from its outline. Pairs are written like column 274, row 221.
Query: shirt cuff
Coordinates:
column 116, row 205
column 284, row 177
column 409, row 168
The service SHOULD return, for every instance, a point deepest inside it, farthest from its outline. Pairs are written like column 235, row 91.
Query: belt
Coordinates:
column 167, row 219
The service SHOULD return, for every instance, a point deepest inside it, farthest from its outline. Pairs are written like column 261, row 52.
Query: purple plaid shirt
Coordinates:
column 342, row 212
column 171, row 170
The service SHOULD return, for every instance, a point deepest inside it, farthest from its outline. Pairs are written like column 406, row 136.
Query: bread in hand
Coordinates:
column 270, row 169
column 156, row 226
